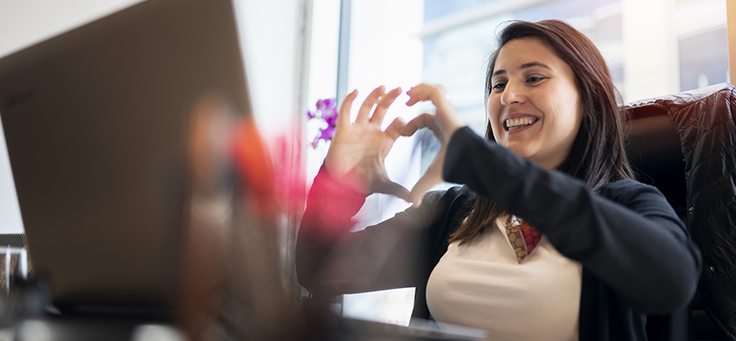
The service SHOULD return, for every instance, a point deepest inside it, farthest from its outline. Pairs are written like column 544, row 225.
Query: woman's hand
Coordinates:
column 443, row 124
column 356, row 156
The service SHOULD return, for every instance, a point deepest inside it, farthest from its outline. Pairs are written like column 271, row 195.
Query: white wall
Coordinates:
column 268, row 31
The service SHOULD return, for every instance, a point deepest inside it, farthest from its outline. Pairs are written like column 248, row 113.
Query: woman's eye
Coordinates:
column 498, row 86
column 534, row 79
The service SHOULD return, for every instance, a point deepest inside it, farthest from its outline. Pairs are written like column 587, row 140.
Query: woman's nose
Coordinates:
column 513, row 93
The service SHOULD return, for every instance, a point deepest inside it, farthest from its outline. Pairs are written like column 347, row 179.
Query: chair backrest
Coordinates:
column 685, row 145
column 655, row 154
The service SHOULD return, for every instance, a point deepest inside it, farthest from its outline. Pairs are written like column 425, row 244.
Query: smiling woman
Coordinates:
column 548, row 224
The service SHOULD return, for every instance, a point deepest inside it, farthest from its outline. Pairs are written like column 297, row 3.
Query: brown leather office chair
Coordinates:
column 685, row 145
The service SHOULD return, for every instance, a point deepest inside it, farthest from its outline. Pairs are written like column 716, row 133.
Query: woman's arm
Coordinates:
column 379, row 257
column 628, row 235
column 391, row 254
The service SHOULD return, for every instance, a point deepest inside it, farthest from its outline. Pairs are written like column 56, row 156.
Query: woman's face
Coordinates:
column 534, row 106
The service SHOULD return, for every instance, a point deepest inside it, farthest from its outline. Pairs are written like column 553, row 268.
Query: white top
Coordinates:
column 482, row 285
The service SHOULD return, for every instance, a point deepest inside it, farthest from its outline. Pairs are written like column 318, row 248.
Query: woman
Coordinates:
column 548, row 239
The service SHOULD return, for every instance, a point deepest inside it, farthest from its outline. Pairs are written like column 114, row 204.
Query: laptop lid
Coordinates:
column 95, row 122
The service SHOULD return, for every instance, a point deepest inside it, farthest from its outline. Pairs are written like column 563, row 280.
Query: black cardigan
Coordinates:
column 637, row 256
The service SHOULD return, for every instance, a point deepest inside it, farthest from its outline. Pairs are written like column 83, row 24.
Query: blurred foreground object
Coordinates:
column 232, row 286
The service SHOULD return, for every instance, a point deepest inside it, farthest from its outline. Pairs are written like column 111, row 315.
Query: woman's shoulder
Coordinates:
column 452, row 200
column 440, row 209
column 627, row 185
column 449, row 195
column 630, row 190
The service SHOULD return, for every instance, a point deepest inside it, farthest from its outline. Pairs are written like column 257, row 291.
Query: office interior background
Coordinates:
column 299, row 51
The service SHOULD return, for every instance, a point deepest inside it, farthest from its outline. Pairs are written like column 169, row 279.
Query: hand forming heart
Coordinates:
column 443, row 124
column 358, row 150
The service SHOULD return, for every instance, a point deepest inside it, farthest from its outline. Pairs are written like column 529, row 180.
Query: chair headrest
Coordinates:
column 660, row 106
column 653, row 145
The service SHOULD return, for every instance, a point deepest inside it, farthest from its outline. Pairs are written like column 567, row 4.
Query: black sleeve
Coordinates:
column 332, row 260
column 627, row 235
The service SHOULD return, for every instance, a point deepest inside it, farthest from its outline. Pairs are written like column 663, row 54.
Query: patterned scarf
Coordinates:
column 523, row 236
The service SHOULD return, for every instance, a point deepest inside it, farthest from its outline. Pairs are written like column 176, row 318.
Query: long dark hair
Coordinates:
column 597, row 156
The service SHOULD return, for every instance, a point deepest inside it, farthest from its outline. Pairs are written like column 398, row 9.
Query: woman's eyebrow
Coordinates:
column 523, row 66
column 533, row 64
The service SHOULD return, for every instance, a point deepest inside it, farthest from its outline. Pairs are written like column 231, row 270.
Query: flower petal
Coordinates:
column 327, row 133
column 330, row 103
column 331, row 120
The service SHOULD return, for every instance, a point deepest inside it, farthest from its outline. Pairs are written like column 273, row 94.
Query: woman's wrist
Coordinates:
column 453, row 127
column 344, row 179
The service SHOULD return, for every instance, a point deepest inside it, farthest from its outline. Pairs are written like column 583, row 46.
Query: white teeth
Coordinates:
column 516, row 123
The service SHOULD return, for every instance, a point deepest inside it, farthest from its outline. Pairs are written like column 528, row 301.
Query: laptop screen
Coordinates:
column 95, row 123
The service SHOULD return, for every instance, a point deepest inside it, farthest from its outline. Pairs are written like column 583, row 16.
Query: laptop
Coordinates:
column 95, row 122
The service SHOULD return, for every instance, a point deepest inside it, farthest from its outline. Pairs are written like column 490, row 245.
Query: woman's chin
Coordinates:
column 520, row 150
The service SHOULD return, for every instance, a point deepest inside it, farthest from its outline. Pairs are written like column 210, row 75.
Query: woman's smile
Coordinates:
column 518, row 123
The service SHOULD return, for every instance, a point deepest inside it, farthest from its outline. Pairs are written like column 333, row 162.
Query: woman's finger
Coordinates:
column 392, row 188
column 413, row 97
column 416, row 94
column 396, row 128
column 426, row 92
column 445, row 122
column 424, row 120
column 364, row 113
column 383, row 105
column 343, row 117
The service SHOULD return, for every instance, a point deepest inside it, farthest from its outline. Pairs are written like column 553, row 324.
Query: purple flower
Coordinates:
column 315, row 142
column 324, row 134
column 327, row 133
column 330, row 117
column 326, row 110
column 330, row 103
column 325, row 104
